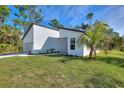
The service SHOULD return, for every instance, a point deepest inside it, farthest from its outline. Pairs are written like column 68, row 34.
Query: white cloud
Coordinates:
column 75, row 15
column 114, row 16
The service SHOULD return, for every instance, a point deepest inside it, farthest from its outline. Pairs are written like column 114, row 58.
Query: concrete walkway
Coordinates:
column 13, row 54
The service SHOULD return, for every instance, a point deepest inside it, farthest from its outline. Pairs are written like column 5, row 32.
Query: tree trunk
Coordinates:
column 90, row 22
column 91, row 52
column 94, row 53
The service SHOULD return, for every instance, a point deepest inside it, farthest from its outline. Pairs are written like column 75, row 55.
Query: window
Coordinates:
column 72, row 43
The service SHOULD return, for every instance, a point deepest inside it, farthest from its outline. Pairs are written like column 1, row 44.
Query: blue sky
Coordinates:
column 70, row 16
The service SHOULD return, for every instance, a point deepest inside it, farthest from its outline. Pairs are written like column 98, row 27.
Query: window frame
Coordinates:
column 72, row 44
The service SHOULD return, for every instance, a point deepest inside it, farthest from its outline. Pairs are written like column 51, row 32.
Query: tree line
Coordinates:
column 10, row 35
column 99, row 36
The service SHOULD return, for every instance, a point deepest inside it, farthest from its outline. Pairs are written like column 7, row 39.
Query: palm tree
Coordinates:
column 97, row 38
column 90, row 17
column 84, row 26
column 55, row 24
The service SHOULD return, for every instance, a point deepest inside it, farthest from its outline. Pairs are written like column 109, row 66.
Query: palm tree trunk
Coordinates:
column 91, row 52
column 90, row 22
column 94, row 53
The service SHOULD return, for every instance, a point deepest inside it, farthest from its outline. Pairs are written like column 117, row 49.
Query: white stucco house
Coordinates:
column 40, row 39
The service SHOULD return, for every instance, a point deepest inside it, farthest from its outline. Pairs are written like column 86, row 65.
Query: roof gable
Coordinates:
column 26, row 32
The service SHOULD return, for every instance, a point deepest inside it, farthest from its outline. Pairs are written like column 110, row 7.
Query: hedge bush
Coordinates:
column 8, row 48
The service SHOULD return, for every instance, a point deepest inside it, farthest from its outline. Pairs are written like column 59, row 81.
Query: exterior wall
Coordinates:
column 50, row 43
column 63, row 47
column 86, row 50
column 44, row 38
column 39, row 39
column 72, row 34
column 28, row 41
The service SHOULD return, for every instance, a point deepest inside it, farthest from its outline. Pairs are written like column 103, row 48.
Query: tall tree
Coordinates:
column 17, row 22
column 90, row 17
column 84, row 26
column 4, row 13
column 116, row 39
column 9, row 36
column 97, row 38
column 55, row 24
column 98, row 35
column 27, row 15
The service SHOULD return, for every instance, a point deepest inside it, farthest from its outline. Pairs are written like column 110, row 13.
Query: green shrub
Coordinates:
column 8, row 48
column 122, row 48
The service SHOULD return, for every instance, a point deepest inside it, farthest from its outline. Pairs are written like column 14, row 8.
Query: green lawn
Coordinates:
column 63, row 71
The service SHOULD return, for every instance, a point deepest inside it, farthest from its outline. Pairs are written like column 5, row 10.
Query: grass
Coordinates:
column 63, row 71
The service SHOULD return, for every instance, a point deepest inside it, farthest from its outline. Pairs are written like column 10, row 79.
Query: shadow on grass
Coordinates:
column 65, row 59
column 112, row 60
column 106, row 59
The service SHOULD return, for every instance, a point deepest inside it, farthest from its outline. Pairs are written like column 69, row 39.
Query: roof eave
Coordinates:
column 27, row 30
column 81, row 31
